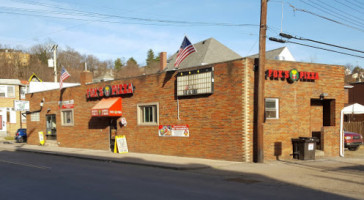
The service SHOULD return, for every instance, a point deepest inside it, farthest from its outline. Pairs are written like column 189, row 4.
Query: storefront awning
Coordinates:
column 108, row 107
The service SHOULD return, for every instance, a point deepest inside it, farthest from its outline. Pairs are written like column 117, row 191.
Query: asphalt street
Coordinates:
column 25, row 175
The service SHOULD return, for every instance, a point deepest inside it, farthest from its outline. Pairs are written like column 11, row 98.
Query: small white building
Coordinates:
column 282, row 53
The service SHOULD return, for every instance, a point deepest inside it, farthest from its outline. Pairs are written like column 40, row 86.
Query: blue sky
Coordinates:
column 110, row 29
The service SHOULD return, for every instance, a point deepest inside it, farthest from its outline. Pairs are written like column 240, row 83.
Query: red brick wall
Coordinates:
column 215, row 120
column 221, row 124
column 356, row 94
column 295, row 107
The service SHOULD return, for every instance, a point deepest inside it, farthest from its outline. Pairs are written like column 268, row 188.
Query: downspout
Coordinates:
column 246, row 113
column 341, row 134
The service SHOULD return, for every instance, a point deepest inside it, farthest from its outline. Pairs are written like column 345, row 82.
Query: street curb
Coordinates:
column 114, row 160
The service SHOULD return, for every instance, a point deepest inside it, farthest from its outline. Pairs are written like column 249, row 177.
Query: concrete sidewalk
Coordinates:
column 153, row 160
column 341, row 176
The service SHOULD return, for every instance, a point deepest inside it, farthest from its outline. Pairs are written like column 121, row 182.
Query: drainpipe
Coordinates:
column 341, row 134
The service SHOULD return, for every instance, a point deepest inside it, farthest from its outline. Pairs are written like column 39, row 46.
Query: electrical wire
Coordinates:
column 339, row 16
column 95, row 15
column 326, row 18
column 324, row 43
column 306, row 45
column 326, row 49
column 348, row 6
column 339, row 12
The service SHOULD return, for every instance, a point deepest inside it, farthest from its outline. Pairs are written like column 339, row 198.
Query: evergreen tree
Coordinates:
column 150, row 57
column 131, row 61
column 118, row 64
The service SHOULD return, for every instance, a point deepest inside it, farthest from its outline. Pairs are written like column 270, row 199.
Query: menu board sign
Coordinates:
column 174, row 131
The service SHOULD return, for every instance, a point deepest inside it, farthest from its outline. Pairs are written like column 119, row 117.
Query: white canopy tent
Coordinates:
column 352, row 109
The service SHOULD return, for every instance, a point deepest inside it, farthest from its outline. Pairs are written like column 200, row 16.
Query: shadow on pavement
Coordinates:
column 244, row 185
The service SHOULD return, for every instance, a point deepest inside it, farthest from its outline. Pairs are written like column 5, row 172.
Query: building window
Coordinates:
column 272, row 108
column 11, row 116
column 148, row 114
column 7, row 91
column 67, row 117
column 35, row 117
column 11, row 92
column 23, row 91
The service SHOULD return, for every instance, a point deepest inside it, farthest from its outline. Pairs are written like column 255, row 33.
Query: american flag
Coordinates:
column 64, row 76
column 186, row 49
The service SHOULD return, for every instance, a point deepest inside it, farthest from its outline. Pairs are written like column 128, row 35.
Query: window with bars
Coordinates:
column 148, row 114
column 272, row 108
column 67, row 117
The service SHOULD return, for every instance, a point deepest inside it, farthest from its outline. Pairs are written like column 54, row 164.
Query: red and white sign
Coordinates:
column 174, row 130
column 283, row 74
column 67, row 104
column 110, row 90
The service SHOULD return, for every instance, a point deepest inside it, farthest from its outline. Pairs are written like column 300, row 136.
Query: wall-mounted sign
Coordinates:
column 292, row 75
column 108, row 90
column 195, row 82
column 123, row 121
column 174, row 130
column 21, row 105
column 66, row 104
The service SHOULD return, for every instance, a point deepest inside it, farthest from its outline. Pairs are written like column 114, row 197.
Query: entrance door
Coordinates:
column 51, row 127
column 317, row 117
column 112, row 132
column 3, row 132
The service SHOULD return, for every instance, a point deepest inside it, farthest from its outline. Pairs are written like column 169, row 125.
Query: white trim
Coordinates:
column 72, row 123
column 155, row 114
column 276, row 100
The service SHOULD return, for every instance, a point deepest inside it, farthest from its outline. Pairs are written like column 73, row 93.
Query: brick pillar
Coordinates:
column 163, row 61
column 86, row 77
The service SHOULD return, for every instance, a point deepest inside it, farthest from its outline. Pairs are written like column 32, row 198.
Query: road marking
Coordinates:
column 25, row 164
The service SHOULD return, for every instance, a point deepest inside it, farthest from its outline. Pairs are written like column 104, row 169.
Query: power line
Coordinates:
column 286, row 41
column 148, row 20
column 333, row 45
column 348, row 6
column 339, row 12
column 329, row 12
column 326, row 18
column 355, row 4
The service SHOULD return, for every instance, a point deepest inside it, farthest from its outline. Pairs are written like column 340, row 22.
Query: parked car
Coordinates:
column 21, row 135
column 352, row 140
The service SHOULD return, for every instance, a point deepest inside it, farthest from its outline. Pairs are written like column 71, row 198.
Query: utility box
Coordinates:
column 304, row 148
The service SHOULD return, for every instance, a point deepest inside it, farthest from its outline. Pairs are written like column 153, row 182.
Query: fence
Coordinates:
column 357, row 127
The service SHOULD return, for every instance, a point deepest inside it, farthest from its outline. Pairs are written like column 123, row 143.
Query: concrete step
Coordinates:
column 319, row 154
column 51, row 143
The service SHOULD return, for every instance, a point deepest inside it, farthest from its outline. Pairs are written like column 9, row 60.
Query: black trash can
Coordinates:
column 304, row 148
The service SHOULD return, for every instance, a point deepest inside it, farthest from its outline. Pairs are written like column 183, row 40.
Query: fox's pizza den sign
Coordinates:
column 108, row 90
column 292, row 75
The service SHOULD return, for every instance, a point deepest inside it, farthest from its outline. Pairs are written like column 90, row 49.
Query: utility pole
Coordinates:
column 261, row 79
column 54, row 49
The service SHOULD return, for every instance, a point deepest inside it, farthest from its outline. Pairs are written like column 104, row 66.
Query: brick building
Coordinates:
column 11, row 90
column 213, row 105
